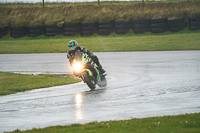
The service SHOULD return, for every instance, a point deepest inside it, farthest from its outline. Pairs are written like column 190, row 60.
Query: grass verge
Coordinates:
column 11, row 83
column 184, row 40
column 188, row 123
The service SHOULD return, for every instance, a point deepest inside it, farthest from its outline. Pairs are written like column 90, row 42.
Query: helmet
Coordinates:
column 72, row 45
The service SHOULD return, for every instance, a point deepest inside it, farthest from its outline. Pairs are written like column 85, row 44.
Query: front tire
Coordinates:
column 88, row 81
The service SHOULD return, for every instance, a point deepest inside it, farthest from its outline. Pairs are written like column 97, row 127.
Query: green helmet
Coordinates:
column 72, row 45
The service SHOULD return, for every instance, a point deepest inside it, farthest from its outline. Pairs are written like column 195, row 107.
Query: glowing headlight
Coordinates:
column 77, row 66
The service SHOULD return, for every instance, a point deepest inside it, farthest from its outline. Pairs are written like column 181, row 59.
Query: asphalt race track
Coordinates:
column 140, row 84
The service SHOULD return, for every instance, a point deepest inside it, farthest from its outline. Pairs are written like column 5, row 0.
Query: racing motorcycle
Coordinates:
column 84, row 68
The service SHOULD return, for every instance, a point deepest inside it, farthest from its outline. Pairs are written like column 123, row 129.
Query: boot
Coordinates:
column 102, row 71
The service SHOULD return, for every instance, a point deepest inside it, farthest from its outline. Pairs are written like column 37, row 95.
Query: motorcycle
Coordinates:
column 84, row 68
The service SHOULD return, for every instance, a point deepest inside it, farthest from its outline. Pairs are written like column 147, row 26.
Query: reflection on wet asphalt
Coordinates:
column 140, row 84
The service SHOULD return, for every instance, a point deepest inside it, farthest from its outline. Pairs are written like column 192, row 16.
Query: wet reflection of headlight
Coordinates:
column 78, row 100
column 77, row 66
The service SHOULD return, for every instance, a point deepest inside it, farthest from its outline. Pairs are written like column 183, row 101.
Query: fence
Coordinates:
column 58, row 1
column 104, row 28
column 73, row 1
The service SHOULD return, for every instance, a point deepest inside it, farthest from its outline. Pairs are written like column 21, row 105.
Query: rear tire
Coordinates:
column 103, row 82
column 88, row 81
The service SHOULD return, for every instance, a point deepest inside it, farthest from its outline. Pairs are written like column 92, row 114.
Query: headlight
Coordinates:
column 77, row 66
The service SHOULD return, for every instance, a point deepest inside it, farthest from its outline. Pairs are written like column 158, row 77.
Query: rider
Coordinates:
column 73, row 47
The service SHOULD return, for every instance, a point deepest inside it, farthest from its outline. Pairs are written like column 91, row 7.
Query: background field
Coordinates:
column 24, row 14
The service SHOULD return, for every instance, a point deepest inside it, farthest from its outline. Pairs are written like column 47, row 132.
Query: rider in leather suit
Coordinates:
column 73, row 47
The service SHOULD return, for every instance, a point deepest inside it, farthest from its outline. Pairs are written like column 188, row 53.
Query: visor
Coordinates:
column 72, row 48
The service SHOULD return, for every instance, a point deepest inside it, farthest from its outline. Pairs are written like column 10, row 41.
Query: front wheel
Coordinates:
column 87, row 79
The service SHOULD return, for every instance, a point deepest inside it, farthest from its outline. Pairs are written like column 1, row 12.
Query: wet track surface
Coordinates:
column 140, row 84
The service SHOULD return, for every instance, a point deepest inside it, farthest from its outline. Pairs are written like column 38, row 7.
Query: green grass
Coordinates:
column 19, row 14
column 185, row 40
column 11, row 83
column 188, row 123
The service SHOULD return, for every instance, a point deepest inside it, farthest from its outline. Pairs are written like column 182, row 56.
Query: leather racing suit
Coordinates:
column 71, row 54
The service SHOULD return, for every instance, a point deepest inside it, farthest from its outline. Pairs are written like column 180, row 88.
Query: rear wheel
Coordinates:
column 103, row 82
column 89, row 81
